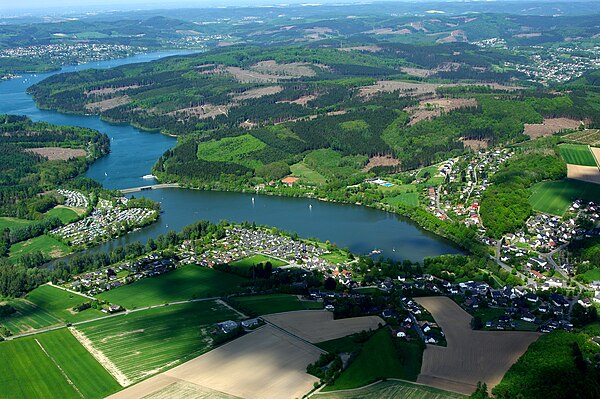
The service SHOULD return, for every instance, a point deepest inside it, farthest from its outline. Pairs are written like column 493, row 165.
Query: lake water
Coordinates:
column 133, row 152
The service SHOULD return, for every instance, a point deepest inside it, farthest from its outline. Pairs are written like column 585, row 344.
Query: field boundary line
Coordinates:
column 49, row 283
column 228, row 306
column 101, row 358
column 71, row 383
column 293, row 335
column 318, row 392
column 596, row 158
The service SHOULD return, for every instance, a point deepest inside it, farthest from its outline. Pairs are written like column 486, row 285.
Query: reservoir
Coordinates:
column 133, row 152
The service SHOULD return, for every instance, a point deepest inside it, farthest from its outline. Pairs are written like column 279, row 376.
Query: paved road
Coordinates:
column 153, row 186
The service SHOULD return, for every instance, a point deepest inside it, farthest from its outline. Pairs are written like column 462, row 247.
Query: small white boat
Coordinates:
column 148, row 177
column 375, row 252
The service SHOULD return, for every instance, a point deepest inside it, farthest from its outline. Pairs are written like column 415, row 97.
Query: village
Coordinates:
column 109, row 219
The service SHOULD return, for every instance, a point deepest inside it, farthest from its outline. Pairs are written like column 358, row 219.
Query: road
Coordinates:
column 550, row 258
column 150, row 187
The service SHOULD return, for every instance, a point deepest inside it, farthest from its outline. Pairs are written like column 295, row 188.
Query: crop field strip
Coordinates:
column 52, row 364
column 390, row 389
column 577, row 154
column 588, row 137
column 184, row 283
column 144, row 343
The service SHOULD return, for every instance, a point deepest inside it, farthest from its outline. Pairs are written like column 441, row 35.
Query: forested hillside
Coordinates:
column 37, row 156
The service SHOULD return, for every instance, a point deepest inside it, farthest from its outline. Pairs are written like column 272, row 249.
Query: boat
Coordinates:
column 148, row 177
column 375, row 252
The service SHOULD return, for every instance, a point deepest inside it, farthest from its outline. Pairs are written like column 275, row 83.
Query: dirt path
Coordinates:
column 101, row 358
column 60, row 369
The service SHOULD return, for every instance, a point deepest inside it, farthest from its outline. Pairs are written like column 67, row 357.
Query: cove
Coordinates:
column 133, row 152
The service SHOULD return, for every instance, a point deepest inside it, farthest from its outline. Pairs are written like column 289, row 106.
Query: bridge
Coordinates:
column 150, row 187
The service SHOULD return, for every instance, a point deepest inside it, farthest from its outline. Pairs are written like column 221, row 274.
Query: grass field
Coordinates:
column 392, row 390
column 410, row 199
column 336, row 257
column 232, row 149
column 12, row 223
column 592, row 275
column 149, row 341
column 555, row 197
column 254, row 260
column 187, row 282
column 306, row 174
column 66, row 215
column 577, row 154
column 45, row 244
column 379, row 359
column 276, row 303
column 44, row 307
column 51, row 365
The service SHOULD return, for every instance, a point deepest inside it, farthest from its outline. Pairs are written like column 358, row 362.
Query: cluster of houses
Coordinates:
column 81, row 52
column 74, row 198
column 560, row 64
column 96, row 282
column 104, row 222
column 545, row 233
column 465, row 181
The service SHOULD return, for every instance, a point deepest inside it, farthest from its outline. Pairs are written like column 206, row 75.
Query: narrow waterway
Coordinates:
column 133, row 152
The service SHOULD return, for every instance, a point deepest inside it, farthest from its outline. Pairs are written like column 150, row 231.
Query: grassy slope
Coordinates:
column 46, row 306
column 66, row 215
column 555, row 197
column 392, row 390
column 232, row 149
column 548, row 370
column 187, row 282
column 307, row 174
column 145, row 341
column 410, row 199
column 45, row 244
column 255, row 260
column 276, row 303
column 27, row 372
column 379, row 359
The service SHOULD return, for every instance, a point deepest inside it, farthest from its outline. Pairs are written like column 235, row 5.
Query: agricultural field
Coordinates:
column 391, row 389
column 555, row 197
column 587, row 137
column 44, row 307
column 52, row 365
column 276, row 303
column 577, row 154
column 140, row 344
column 319, row 325
column 184, row 283
column 379, row 359
column 232, row 149
column 254, row 260
column 264, row 364
column 470, row 356
column 47, row 245
column 306, row 174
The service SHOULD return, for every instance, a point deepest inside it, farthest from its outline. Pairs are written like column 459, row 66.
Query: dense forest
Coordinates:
column 24, row 173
